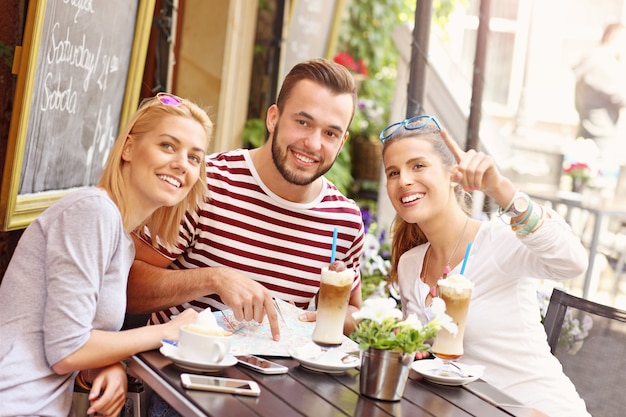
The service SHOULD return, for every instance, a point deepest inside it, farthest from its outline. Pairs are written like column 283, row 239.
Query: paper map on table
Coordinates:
column 256, row 338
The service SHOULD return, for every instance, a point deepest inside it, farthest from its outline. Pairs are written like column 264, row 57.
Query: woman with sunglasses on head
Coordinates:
column 427, row 177
column 63, row 297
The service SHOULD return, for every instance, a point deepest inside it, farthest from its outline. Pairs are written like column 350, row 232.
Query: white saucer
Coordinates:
column 429, row 369
column 171, row 352
column 312, row 357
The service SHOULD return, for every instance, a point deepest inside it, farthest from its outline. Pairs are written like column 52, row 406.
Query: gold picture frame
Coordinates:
column 79, row 74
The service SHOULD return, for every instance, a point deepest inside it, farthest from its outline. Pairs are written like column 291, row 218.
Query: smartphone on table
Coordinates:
column 220, row 384
column 262, row 365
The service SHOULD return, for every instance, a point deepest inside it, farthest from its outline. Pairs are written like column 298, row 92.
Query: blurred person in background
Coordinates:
column 601, row 93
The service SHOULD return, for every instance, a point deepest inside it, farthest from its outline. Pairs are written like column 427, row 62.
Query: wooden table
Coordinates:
column 307, row 393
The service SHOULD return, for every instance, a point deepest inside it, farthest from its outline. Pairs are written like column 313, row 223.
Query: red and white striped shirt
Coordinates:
column 283, row 245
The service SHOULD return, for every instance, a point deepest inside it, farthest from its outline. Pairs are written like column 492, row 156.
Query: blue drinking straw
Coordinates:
column 467, row 252
column 332, row 256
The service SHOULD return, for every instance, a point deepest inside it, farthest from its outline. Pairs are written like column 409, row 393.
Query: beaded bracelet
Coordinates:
column 532, row 228
column 529, row 217
column 502, row 210
column 534, row 222
column 527, row 214
column 538, row 226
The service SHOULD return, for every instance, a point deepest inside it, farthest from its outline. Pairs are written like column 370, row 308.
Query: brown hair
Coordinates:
column 405, row 235
column 164, row 222
column 324, row 72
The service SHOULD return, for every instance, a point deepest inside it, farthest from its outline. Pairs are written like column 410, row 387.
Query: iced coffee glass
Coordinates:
column 456, row 291
column 332, row 305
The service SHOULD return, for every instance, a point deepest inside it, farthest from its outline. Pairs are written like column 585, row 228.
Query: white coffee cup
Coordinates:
column 197, row 345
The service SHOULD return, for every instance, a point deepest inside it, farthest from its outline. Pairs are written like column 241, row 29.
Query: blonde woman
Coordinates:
column 63, row 297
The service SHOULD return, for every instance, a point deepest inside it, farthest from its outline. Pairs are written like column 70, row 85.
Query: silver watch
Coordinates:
column 519, row 205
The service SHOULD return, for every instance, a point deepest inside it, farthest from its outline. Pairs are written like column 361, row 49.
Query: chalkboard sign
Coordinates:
column 78, row 80
column 312, row 31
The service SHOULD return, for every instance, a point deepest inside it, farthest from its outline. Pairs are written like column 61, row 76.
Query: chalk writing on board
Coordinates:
column 77, row 100
column 309, row 31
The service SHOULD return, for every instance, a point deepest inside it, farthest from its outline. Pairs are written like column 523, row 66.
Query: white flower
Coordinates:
column 573, row 332
column 413, row 322
column 371, row 246
column 379, row 326
column 586, row 326
column 377, row 309
column 438, row 308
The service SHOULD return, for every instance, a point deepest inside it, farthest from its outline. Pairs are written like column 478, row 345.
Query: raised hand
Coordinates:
column 478, row 171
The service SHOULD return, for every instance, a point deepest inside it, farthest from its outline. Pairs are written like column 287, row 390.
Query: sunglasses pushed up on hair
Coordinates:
column 412, row 123
column 167, row 99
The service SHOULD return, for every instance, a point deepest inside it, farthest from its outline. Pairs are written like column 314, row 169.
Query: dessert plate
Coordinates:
column 332, row 361
column 429, row 369
column 171, row 352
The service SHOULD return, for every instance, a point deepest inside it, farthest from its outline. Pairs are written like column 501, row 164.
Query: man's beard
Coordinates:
column 293, row 177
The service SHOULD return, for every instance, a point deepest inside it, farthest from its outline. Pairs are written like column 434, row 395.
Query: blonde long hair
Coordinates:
column 163, row 222
column 406, row 236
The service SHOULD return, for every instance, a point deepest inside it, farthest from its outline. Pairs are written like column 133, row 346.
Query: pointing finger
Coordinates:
column 452, row 145
column 272, row 317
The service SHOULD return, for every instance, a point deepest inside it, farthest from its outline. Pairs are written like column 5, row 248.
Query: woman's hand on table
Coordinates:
column 108, row 391
column 170, row 329
column 308, row 316
column 422, row 354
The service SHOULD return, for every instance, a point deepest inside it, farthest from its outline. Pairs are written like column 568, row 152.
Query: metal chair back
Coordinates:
column 589, row 339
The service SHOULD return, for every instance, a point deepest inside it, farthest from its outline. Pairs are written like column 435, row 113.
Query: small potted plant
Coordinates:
column 389, row 344
column 580, row 173
column 579, row 162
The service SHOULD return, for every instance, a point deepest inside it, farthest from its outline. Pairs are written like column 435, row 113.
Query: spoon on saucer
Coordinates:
column 350, row 357
column 461, row 372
